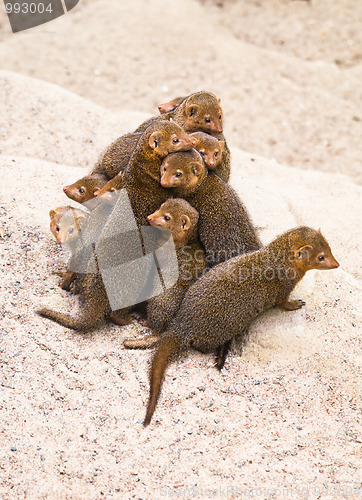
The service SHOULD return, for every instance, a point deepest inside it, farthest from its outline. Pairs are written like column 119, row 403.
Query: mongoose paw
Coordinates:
column 118, row 319
column 65, row 285
column 292, row 305
column 219, row 363
column 60, row 273
column 220, row 355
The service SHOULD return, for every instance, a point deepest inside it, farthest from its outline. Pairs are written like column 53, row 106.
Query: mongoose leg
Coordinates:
column 118, row 318
column 221, row 353
column 142, row 343
column 69, row 277
column 291, row 305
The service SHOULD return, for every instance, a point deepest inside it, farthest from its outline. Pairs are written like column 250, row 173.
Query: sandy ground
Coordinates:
column 284, row 417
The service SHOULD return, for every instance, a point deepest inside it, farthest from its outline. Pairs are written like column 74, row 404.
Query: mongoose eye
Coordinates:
column 216, row 154
column 178, row 174
column 164, row 169
column 57, row 229
column 167, row 218
column 70, row 230
column 207, row 120
column 220, row 117
column 321, row 258
column 81, row 190
column 175, row 140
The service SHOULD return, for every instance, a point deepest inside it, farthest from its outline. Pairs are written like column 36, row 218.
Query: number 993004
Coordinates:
column 28, row 8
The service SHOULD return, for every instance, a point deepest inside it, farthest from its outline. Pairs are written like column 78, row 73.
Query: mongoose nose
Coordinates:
column 211, row 163
column 65, row 189
column 219, row 130
column 193, row 141
column 335, row 264
column 96, row 193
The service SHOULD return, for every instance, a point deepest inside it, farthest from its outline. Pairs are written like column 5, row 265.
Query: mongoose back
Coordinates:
column 219, row 305
column 225, row 228
column 116, row 157
column 181, row 219
column 83, row 189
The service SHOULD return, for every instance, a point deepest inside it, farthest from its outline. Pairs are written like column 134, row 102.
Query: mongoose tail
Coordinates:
column 168, row 348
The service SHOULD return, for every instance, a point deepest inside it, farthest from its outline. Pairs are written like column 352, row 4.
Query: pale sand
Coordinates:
column 284, row 416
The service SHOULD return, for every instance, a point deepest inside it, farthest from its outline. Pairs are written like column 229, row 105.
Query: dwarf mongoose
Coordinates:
column 83, row 189
column 183, row 171
column 145, row 193
column 211, row 150
column 219, row 305
column 225, row 228
column 181, row 219
column 66, row 224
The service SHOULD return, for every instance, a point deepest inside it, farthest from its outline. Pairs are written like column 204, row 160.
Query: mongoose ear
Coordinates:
column 222, row 145
column 192, row 110
column 196, row 168
column 185, row 222
column 303, row 253
column 154, row 139
column 82, row 219
column 52, row 213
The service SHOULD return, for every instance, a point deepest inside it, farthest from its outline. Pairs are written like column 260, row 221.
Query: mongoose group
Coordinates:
column 175, row 168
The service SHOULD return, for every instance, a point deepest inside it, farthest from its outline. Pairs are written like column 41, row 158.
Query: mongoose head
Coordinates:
column 310, row 250
column 108, row 193
column 210, row 148
column 182, row 170
column 179, row 217
column 66, row 223
column 171, row 105
column 203, row 112
column 83, row 189
column 168, row 137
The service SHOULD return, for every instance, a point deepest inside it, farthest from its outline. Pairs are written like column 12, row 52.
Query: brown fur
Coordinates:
column 183, row 171
column 212, row 152
column 225, row 229
column 108, row 193
column 171, row 105
column 83, row 189
column 66, row 224
column 192, row 113
column 222, row 303
column 181, row 219
column 142, row 182
column 116, row 157
column 198, row 111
